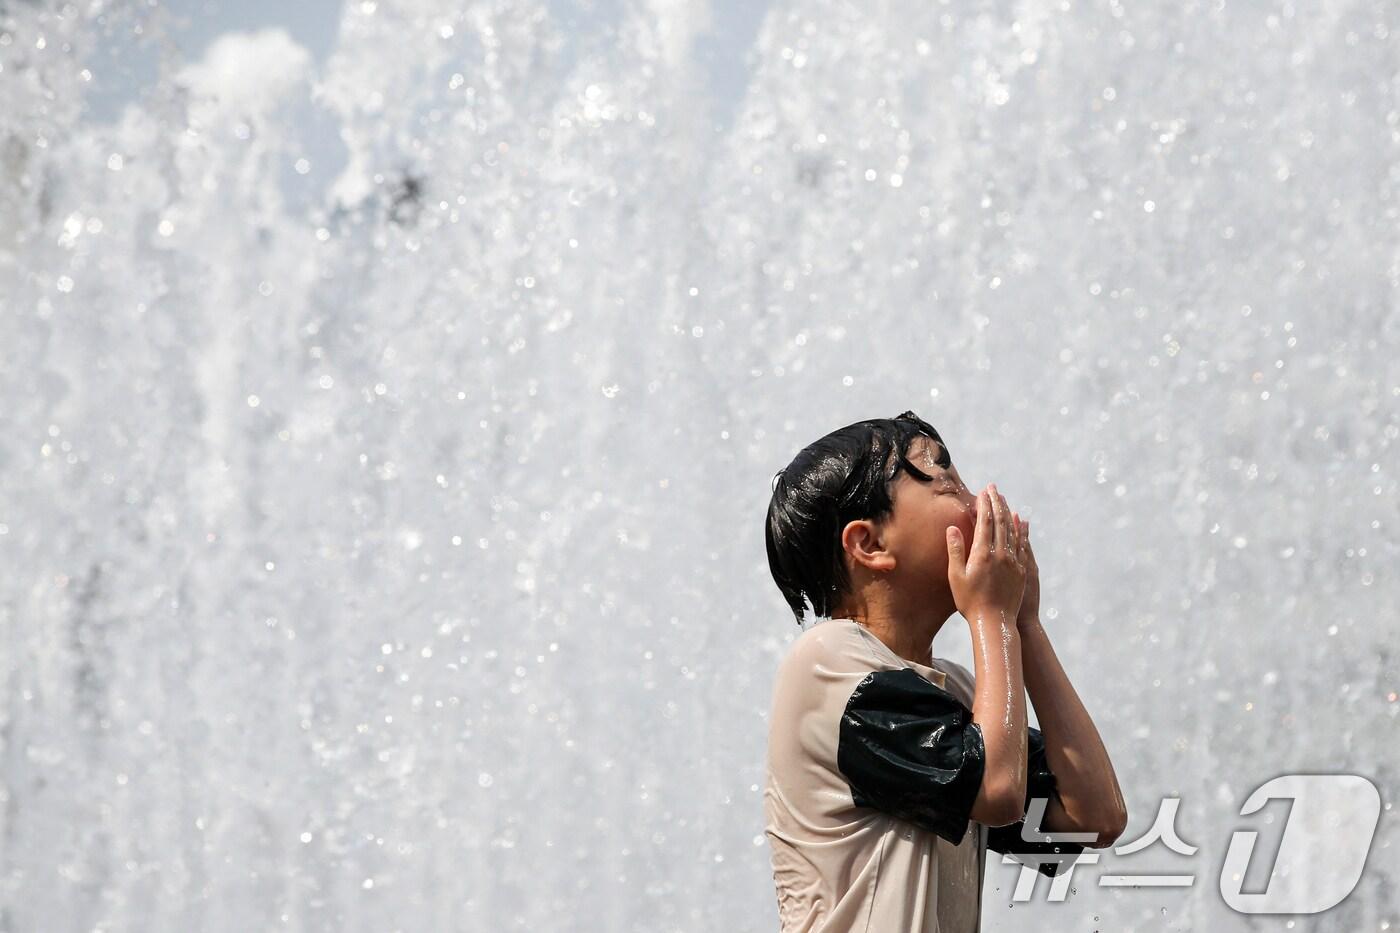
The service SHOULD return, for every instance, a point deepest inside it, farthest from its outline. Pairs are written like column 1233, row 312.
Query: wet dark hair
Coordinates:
column 843, row 477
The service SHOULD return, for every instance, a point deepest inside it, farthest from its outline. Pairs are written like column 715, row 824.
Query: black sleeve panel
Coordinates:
column 909, row 748
column 1040, row 782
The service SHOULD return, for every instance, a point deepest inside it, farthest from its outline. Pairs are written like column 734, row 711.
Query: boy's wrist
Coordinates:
column 1031, row 626
column 994, row 615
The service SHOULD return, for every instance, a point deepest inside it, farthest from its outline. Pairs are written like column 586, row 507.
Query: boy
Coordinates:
column 891, row 772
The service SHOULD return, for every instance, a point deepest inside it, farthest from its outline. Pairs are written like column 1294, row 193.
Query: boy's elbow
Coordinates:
column 1106, row 820
column 1110, row 829
column 1001, row 804
column 1004, row 813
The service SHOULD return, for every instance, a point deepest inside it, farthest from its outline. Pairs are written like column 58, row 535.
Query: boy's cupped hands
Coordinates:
column 996, row 574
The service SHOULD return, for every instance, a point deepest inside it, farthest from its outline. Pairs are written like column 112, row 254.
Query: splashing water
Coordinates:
column 388, row 432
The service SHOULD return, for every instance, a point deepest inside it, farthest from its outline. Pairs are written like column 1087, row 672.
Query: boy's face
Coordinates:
column 917, row 531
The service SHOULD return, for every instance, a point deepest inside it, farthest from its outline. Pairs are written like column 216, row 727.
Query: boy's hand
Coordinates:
column 1030, row 596
column 990, row 580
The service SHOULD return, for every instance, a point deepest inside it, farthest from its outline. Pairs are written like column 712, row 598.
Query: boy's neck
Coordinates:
column 911, row 639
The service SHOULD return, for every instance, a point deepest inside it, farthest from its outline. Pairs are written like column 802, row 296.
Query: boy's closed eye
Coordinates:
column 950, row 484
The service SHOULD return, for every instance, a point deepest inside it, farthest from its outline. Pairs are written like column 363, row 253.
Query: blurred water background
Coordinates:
column 392, row 395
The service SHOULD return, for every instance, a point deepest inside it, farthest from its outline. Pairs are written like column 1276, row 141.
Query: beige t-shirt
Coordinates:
column 872, row 761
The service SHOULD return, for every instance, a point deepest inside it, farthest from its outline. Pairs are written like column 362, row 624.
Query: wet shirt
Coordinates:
column 874, row 763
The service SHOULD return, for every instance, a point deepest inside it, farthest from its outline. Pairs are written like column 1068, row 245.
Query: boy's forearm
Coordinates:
column 1084, row 776
column 999, row 703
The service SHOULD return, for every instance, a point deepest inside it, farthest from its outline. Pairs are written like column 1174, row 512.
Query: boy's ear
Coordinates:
column 864, row 544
